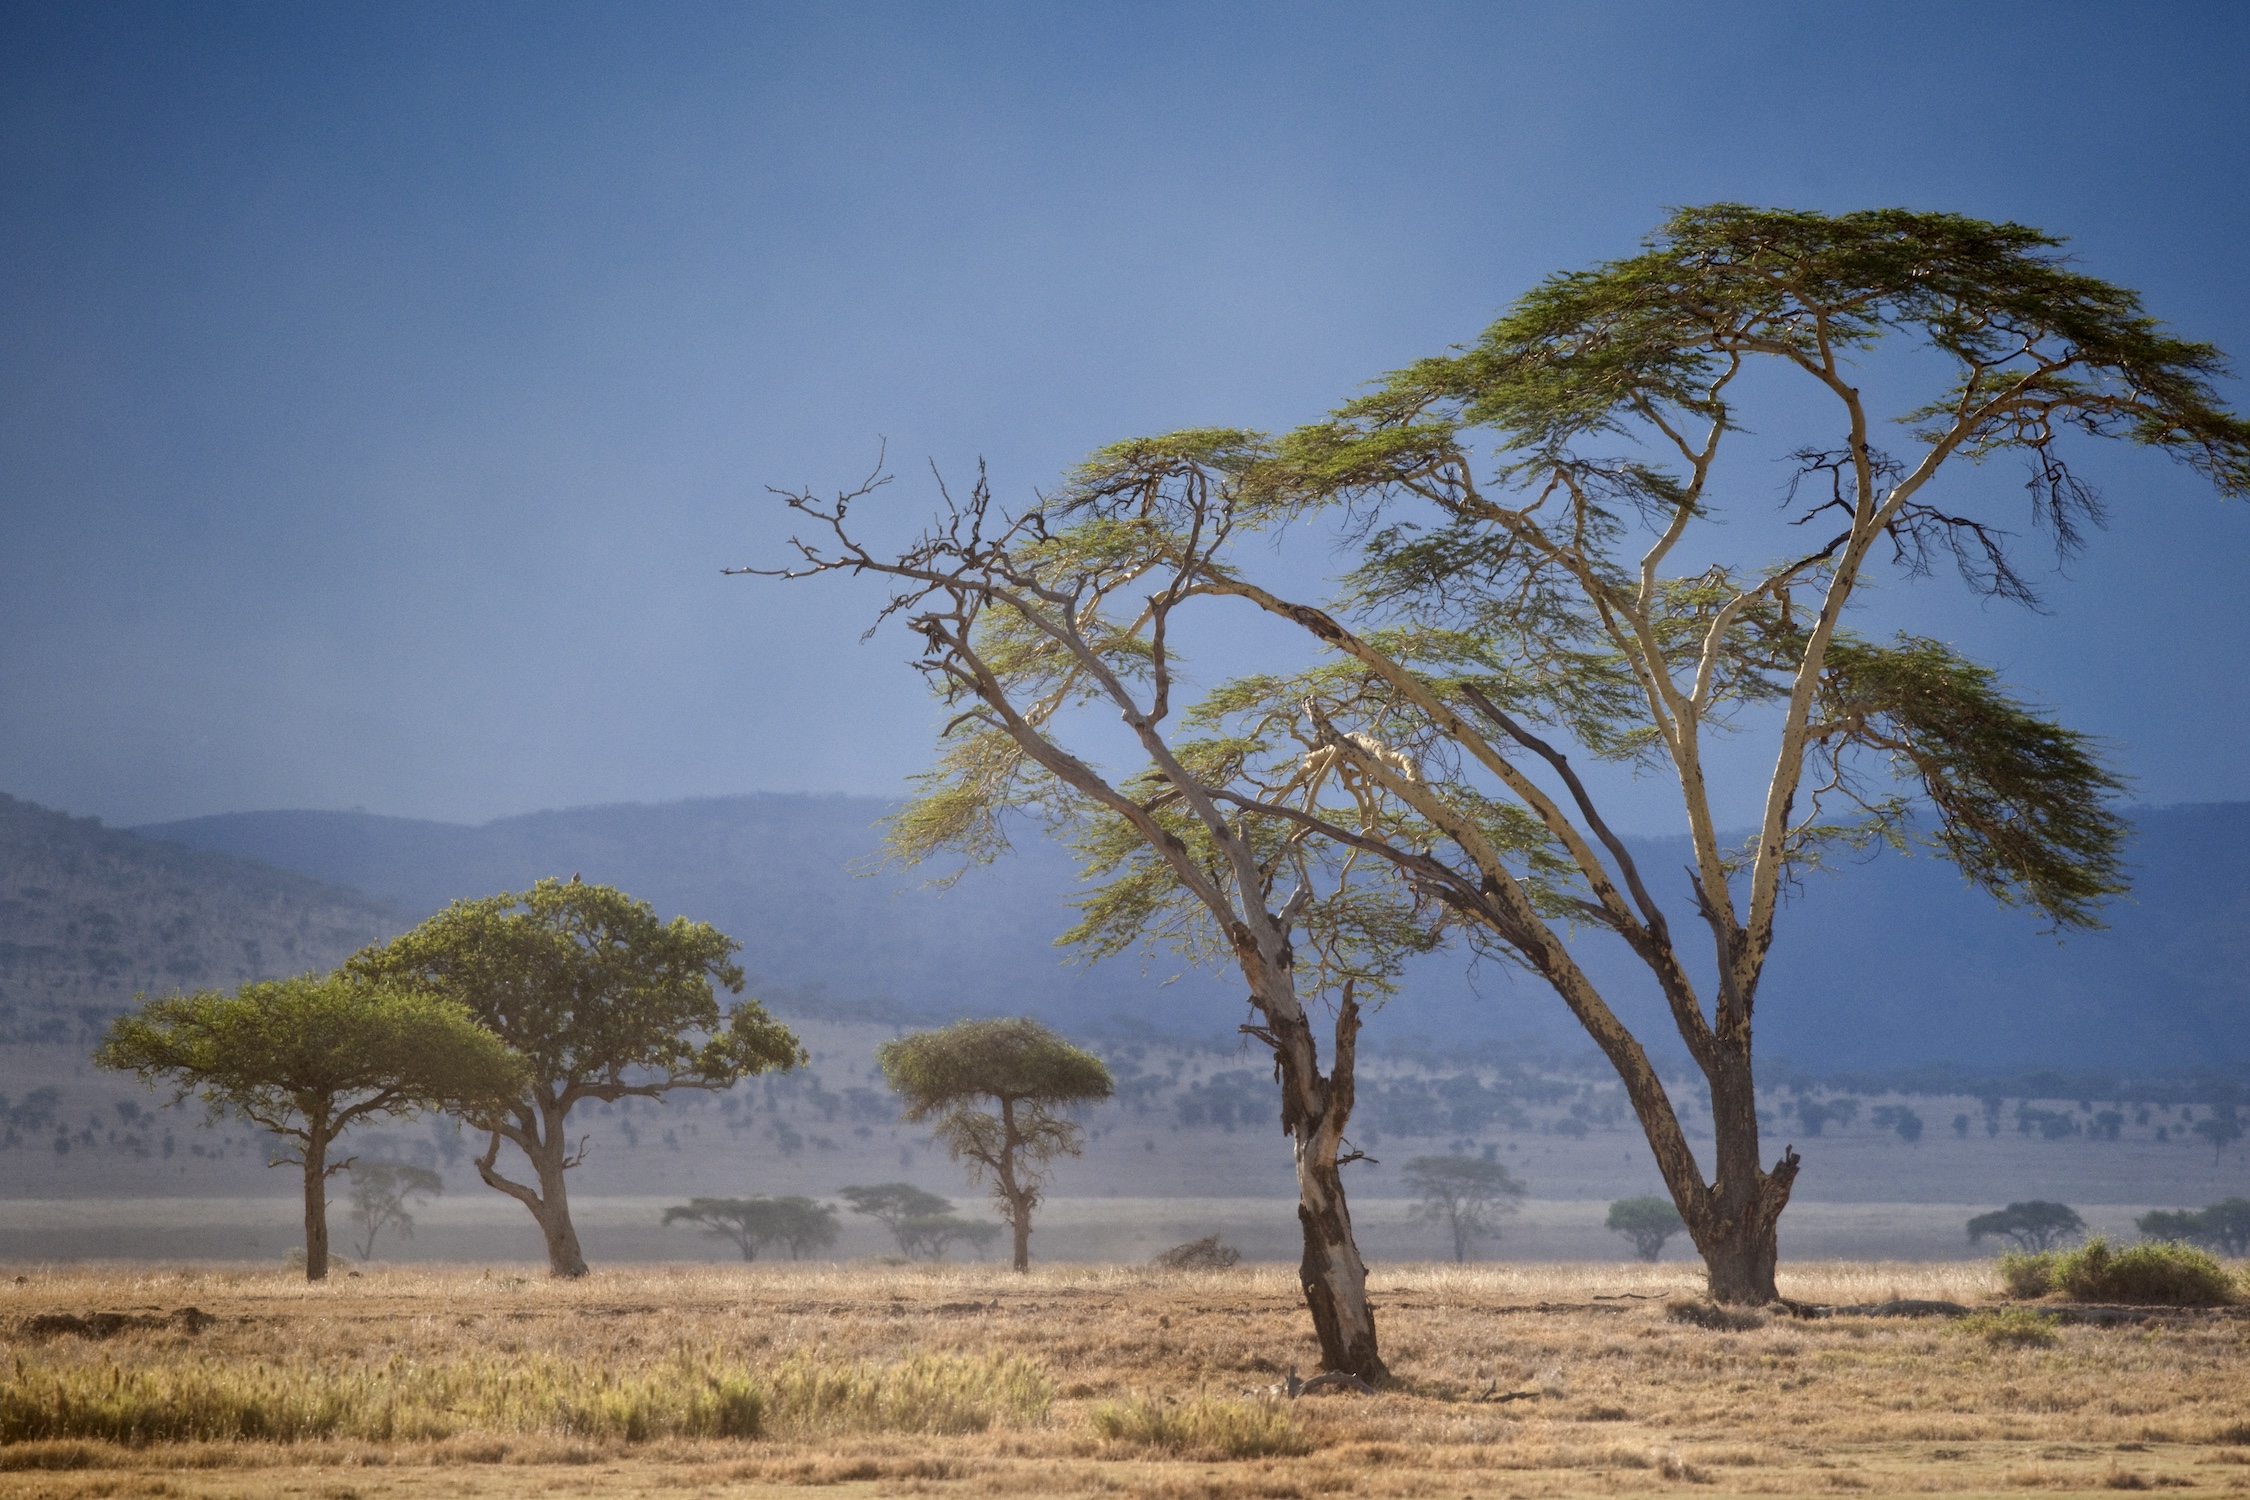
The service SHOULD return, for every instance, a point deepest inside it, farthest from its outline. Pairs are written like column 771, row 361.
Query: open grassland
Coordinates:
column 1513, row 1380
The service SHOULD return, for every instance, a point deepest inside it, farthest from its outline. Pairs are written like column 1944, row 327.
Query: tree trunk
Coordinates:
column 550, row 1202
column 1018, row 1201
column 316, row 1202
column 1315, row 1111
column 553, row 1213
column 1735, row 1230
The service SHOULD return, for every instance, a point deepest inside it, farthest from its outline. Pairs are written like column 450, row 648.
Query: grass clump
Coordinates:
column 692, row 1394
column 2017, row 1327
column 2155, row 1271
column 1203, row 1428
column 2028, row 1275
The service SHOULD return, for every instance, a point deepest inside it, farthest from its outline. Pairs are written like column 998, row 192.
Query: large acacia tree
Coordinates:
column 1546, row 574
column 1027, row 1073
column 601, row 1000
column 308, row 1058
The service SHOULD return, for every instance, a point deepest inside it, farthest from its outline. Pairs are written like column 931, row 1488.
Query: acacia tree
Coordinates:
column 601, row 1000
column 1531, row 509
column 381, row 1191
column 308, row 1058
column 1029, row 1073
column 1462, row 1195
column 1647, row 1222
column 2034, row 1226
column 1029, row 623
column 923, row 1223
column 797, row 1224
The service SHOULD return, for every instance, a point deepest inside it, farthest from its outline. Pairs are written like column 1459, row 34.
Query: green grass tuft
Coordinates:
column 2016, row 1326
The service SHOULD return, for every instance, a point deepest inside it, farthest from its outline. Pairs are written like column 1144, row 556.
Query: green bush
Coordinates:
column 2028, row 1275
column 2151, row 1272
column 2017, row 1326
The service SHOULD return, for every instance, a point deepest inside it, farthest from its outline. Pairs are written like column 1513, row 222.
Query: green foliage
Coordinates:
column 799, row 1225
column 314, row 1054
column 2013, row 1327
column 1463, row 1195
column 2152, row 1272
column 2018, row 799
column 2223, row 1226
column 1648, row 1222
column 692, row 1393
column 2028, row 1274
column 2035, row 1225
column 1204, row 1428
column 591, row 989
column 380, row 1193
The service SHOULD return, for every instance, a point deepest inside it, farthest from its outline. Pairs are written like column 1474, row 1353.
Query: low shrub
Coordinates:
column 2156, row 1271
column 2018, row 1327
column 1207, row 1254
column 2028, row 1275
column 1203, row 1429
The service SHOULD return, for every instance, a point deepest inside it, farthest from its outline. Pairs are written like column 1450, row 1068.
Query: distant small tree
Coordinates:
column 1897, row 1117
column 2223, row 1226
column 929, row 1236
column 1030, row 1073
column 380, row 1193
column 798, row 1225
column 308, row 1057
column 1647, row 1222
column 893, row 1204
column 2034, row 1226
column 2222, row 1128
column 1463, row 1195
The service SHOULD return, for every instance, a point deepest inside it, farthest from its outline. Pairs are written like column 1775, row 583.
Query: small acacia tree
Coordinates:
column 2033, row 1226
column 307, row 1058
column 380, row 1194
column 923, row 1223
column 1463, row 1195
column 1647, row 1222
column 798, row 1225
column 1028, row 1073
column 601, row 1000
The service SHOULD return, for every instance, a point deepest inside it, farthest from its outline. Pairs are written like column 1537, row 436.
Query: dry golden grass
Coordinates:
column 1094, row 1381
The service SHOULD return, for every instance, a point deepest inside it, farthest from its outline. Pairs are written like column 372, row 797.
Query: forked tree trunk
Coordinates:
column 1315, row 1112
column 1735, row 1232
column 316, row 1202
column 550, row 1201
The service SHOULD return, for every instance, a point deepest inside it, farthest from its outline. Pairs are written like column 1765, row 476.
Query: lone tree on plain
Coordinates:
column 601, row 1000
column 308, row 1058
column 1548, row 564
column 798, row 1225
column 380, row 1193
column 1463, row 1196
column 1647, row 1222
column 2033, row 1226
column 1028, row 1074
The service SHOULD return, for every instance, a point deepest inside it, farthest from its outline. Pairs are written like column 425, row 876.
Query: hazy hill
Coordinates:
column 91, row 915
column 1889, row 965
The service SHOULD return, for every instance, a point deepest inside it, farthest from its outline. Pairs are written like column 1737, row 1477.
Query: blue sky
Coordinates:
column 383, row 387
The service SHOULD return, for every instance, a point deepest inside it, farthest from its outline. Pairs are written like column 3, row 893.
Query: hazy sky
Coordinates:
column 382, row 387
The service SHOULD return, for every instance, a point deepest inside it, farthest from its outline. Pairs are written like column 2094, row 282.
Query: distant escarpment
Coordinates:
column 91, row 916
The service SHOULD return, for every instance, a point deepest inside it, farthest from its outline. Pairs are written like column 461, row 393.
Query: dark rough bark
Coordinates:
column 1019, row 1200
column 1315, row 1111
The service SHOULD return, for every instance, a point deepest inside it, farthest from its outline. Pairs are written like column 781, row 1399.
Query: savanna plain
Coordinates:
column 1512, row 1379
